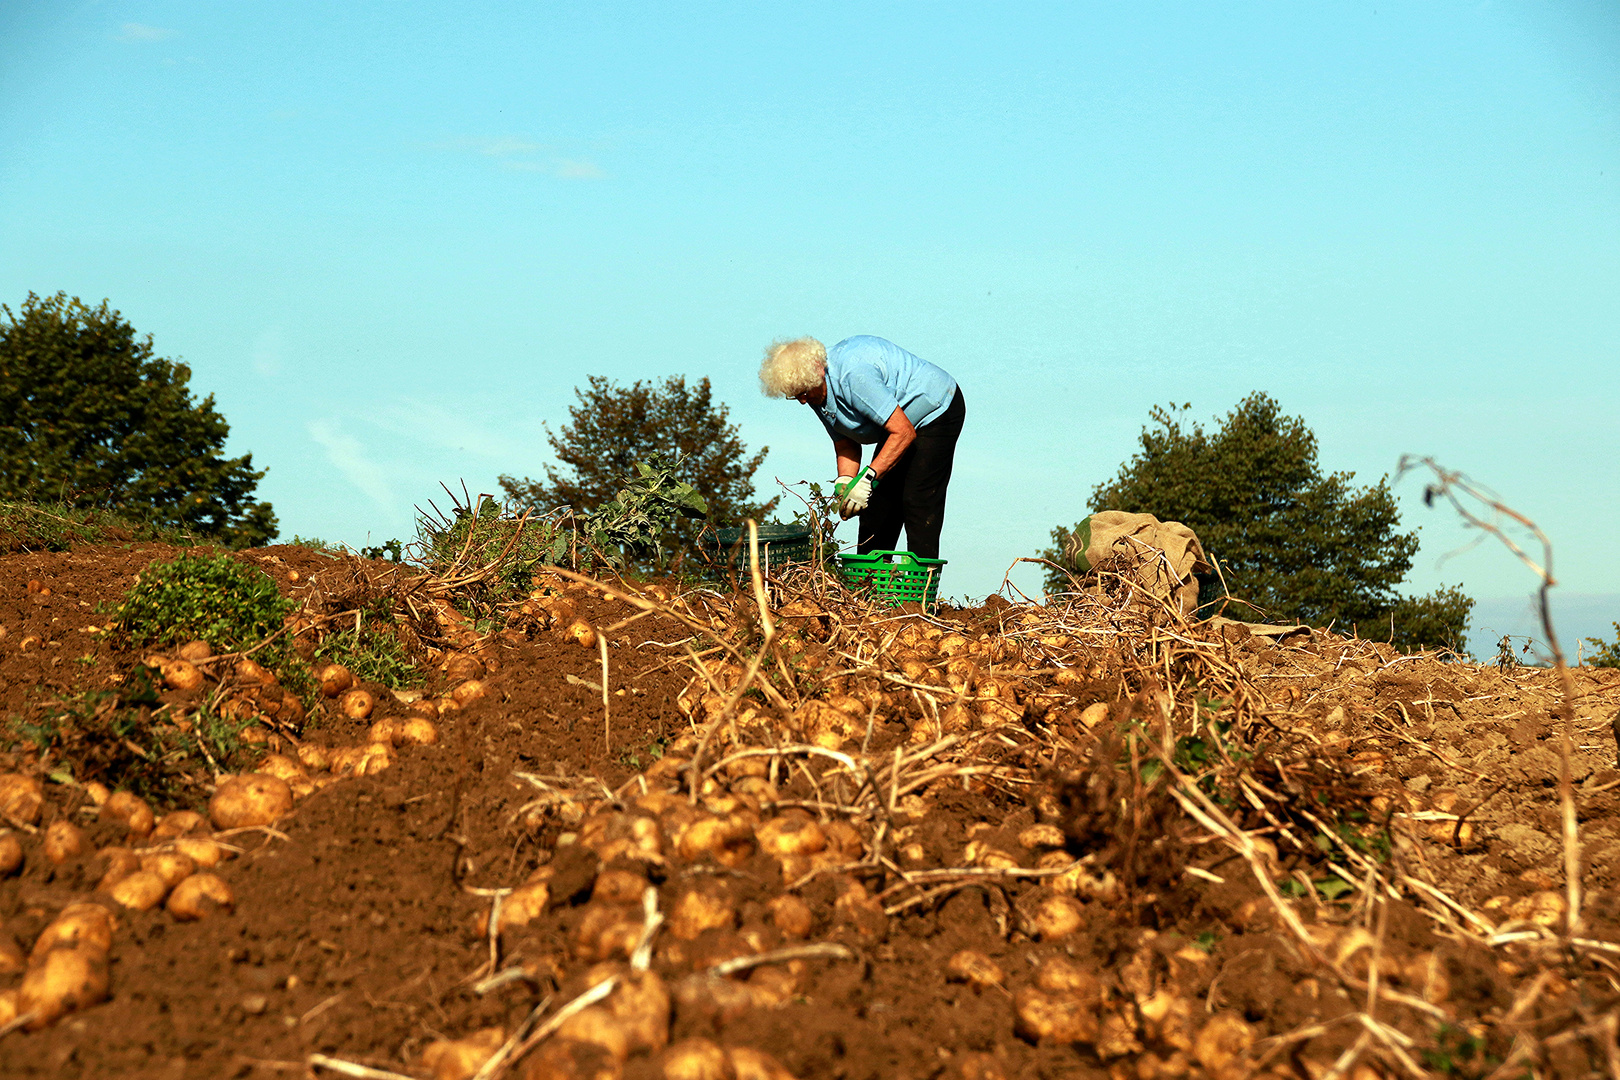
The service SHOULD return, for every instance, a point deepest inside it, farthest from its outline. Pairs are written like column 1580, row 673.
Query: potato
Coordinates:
column 617, row 886
column 63, row 841
column 416, row 731
column 1061, row 975
column 639, row 1003
column 422, row 707
column 178, row 823
column 729, row 841
column 446, row 704
column 253, row 673
column 374, row 758
column 459, row 1059
column 792, row 916
column 291, row 712
column 520, row 907
column 606, row 931
column 1094, row 714
column 97, row 793
column 569, row 1059
column 976, row 969
column 1047, row 1017
column 140, row 891
column 1042, row 837
column 83, row 926
column 1056, row 917
column 1223, row 1046
column 194, row 651
column 597, row 1026
column 22, row 798
column 62, row 981
column 384, row 731
column 281, row 767
column 697, row 911
column 182, row 675
column 696, row 1059
column 132, row 810
column 171, row 866
column 357, row 704
column 239, row 709
column 461, row 667
column 8, row 1007
column 335, row 679
column 468, row 692
column 750, row 1064
column 206, row 853
column 120, row 862
column 11, row 854
column 791, row 834
column 581, row 633
column 314, row 757
column 249, row 799
column 199, row 896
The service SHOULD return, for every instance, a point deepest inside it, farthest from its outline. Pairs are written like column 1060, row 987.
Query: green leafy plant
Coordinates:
column 634, row 525
column 371, row 650
column 1605, row 654
column 325, row 547
column 392, row 550
column 215, row 598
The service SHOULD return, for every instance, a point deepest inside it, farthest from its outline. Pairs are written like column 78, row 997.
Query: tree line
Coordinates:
column 91, row 416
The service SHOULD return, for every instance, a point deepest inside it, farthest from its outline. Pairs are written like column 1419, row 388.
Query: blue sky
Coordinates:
column 392, row 238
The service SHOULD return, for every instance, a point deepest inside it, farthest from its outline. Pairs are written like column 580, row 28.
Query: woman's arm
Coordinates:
column 901, row 436
column 849, row 456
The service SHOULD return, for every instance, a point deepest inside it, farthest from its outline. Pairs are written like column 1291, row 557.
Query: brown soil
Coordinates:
column 353, row 931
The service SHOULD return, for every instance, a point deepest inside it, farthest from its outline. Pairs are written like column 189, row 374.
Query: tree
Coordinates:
column 614, row 426
column 1299, row 544
column 90, row 417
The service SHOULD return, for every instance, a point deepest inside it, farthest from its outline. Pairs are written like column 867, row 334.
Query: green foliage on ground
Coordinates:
column 490, row 551
column 214, row 598
column 58, row 526
column 371, row 649
column 125, row 739
column 1604, row 654
column 90, row 417
column 1299, row 544
column 613, row 428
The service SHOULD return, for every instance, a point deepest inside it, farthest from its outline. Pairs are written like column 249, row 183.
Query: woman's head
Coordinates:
column 793, row 367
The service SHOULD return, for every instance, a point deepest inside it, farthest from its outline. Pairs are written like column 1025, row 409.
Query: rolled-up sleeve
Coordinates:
column 866, row 390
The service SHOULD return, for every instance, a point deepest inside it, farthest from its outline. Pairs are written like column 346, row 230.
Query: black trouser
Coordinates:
column 913, row 492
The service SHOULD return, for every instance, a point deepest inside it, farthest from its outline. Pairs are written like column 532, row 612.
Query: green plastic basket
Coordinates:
column 779, row 545
column 897, row 577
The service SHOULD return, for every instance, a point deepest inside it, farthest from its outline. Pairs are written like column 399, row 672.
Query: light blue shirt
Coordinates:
column 868, row 378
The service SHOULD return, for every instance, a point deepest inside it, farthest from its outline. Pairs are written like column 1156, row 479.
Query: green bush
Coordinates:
column 1605, row 654
column 214, row 598
column 58, row 526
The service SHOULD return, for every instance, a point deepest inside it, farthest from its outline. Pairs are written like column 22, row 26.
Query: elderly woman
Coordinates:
column 868, row 390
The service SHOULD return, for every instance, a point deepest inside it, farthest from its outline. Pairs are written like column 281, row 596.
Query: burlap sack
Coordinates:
column 1159, row 556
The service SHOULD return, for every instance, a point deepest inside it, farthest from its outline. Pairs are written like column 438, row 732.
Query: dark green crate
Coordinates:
column 897, row 577
column 779, row 545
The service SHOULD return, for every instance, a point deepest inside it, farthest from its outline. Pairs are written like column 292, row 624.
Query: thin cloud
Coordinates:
column 514, row 153
column 562, row 168
column 349, row 458
column 134, row 31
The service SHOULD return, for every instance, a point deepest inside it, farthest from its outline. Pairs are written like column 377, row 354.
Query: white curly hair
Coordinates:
column 792, row 367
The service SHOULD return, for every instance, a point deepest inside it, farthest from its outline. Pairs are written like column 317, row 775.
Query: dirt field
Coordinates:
column 917, row 848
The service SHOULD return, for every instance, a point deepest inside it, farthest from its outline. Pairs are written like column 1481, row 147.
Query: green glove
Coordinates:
column 854, row 493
